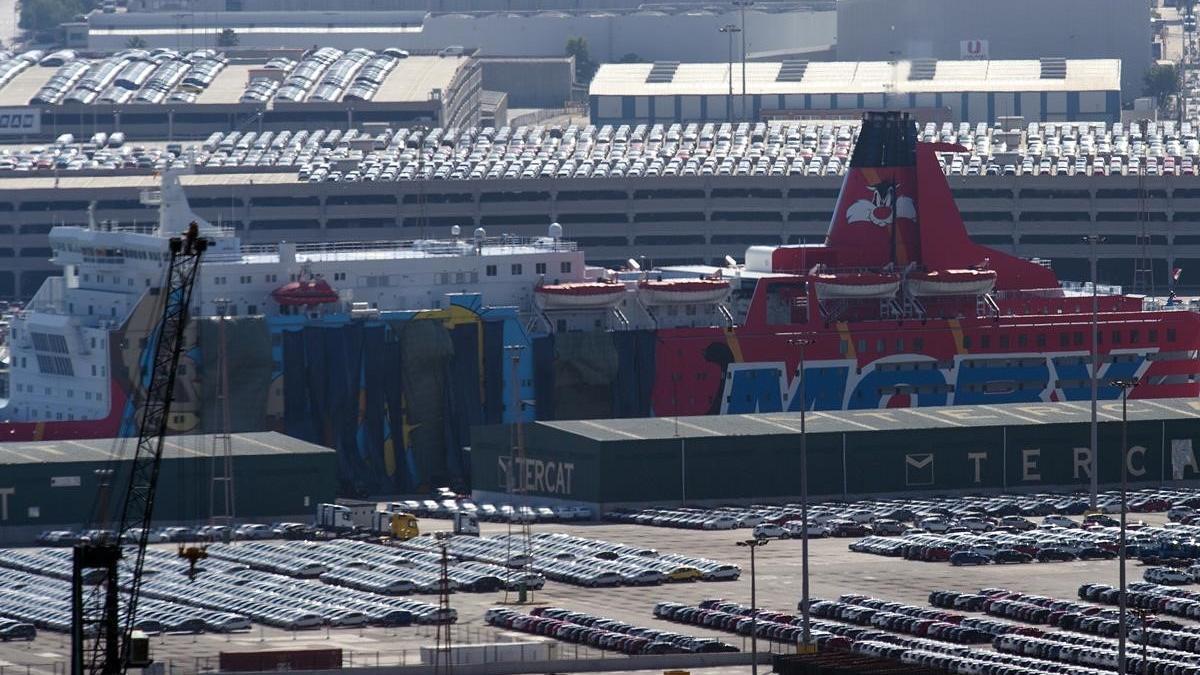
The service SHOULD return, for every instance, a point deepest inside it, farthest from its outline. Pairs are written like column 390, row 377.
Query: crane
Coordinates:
column 101, row 629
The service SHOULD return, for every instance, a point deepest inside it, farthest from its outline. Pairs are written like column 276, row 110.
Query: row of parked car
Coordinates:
column 938, row 514
column 937, row 658
column 1097, row 653
column 602, row 633
column 900, row 618
column 446, row 507
column 1160, row 599
column 29, row 602
column 584, row 562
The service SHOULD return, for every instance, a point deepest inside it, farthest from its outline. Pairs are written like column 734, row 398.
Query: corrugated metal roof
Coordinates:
column 175, row 447
column 857, row 77
column 967, row 416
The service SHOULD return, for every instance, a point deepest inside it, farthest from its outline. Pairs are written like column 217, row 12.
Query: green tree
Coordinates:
column 40, row 15
column 584, row 66
column 228, row 38
column 1161, row 80
column 135, row 42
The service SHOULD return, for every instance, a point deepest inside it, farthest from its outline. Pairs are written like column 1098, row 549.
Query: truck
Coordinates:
column 395, row 524
column 343, row 517
column 466, row 523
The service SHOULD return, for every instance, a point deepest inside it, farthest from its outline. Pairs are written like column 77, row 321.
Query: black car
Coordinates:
column 1009, row 555
column 1054, row 554
column 1095, row 553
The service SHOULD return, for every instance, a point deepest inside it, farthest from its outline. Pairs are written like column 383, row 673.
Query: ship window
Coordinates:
column 245, row 279
column 1153, row 335
column 1170, row 335
column 966, row 342
column 459, row 277
column 539, row 268
column 862, row 346
column 985, row 341
column 252, row 309
column 843, row 347
column 1022, row 340
column 93, row 370
column 339, row 276
column 1004, row 342
column 490, row 270
column 881, row 345
column 1041, row 339
column 1133, row 337
column 1116, row 337
column 565, row 267
column 919, row 344
column 899, row 345
column 1077, row 338
column 516, row 269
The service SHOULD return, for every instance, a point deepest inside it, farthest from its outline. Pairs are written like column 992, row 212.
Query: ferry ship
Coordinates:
column 390, row 351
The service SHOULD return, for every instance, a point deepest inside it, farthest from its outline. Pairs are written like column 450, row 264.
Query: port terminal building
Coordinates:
column 1039, row 90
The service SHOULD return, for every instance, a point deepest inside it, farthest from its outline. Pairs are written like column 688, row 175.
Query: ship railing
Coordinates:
column 352, row 249
column 1066, row 291
column 1085, row 288
column 50, row 298
column 1167, row 305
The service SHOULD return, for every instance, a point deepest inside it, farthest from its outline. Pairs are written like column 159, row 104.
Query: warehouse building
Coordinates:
column 852, row 454
column 1015, row 29
column 1045, row 90
column 420, row 89
column 53, row 485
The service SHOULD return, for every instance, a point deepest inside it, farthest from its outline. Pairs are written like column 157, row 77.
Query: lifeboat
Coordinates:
column 952, row 282
column 683, row 291
column 307, row 292
column 579, row 295
column 856, row 285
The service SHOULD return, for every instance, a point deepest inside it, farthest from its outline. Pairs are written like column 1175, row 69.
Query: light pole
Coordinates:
column 753, row 544
column 742, row 5
column 806, row 635
column 1092, row 240
column 730, row 29
column 1123, row 619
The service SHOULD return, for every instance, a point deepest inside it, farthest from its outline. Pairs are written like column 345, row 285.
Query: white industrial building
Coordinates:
column 1047, row 90
column 685, row 34
column 870, row 30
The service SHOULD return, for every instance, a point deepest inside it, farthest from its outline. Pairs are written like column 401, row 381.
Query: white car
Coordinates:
column 1178, row 513
column 936, row 525
column 1056, row 520
column 770, row 531
column 720, row 523
column 1167, row 576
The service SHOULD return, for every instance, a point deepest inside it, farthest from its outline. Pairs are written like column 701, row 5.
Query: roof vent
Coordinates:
column 922, row 69
column 1054, row 68
column 792, row 71
column 662, row 72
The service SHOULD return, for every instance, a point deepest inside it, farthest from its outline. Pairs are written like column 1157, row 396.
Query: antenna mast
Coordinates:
column 221, row 502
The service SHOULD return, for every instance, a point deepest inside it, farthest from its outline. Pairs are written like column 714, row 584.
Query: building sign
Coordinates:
column 536, row 475
column 20, row 121
column 64, row 481
column 973, row 49
column 918, row 469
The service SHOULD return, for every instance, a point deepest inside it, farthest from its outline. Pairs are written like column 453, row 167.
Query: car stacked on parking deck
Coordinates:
column 602, row 633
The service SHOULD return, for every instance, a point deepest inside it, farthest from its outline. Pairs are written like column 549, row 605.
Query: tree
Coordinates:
column 135, row 42
column 631, row 58
column 228, row 38
column 584, row 67
column 1161, row 80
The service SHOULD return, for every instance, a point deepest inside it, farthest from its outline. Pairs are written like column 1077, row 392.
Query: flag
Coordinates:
column 1175, row 273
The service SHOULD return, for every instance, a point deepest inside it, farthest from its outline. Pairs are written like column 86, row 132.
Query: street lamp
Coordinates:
column 730, row 29
column 753, row 544
column 742, row 5
column 806, row 635
column 1092, row 240
column 1123, row 619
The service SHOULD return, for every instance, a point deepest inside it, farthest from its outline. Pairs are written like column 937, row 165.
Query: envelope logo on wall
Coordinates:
column 918, row 469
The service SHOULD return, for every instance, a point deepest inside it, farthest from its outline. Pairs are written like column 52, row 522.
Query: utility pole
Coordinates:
column 742, row 5
column 221, row 502
column 753, row 544
column 1123, row 619
column 731, row 30
column 1093, row 501
column 442, row 654
column 801, row 343
column 518, row 488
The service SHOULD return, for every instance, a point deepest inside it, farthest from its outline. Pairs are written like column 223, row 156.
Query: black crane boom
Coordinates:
column 105, row 648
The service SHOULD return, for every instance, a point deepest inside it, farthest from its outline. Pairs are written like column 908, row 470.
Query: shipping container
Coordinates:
column 291, row 659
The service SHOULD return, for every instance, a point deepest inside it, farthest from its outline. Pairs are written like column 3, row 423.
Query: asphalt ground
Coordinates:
column 834, row 570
